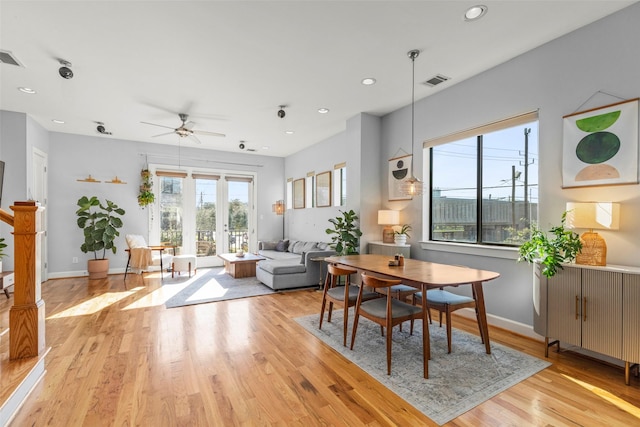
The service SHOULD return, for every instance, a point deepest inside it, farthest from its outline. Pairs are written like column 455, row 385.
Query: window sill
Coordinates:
column 469, row 249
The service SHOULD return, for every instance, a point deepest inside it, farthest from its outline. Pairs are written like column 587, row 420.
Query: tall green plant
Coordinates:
column 99, row 223
column 550, row 252
column 346, row 234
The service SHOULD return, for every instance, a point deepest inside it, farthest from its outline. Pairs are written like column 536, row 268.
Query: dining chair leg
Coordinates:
column 324, row 300
column 389, row 333
column 448, row 311
column 355, row 328
column 346, row 311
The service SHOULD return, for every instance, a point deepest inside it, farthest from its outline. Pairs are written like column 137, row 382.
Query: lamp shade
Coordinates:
column 388, row 217
column 593, row 215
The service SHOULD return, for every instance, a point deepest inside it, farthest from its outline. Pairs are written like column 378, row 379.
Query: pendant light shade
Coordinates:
column 412, row 186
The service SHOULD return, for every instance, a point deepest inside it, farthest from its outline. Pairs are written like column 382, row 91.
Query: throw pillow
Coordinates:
column 282, row 246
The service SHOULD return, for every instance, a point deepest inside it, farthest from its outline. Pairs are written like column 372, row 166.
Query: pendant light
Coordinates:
column 412, row 186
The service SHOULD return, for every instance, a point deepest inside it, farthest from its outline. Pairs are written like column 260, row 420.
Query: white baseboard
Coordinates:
column 80, row 273
column 501, row 322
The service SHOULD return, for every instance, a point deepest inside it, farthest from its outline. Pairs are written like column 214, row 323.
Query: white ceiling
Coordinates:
column 230, row 64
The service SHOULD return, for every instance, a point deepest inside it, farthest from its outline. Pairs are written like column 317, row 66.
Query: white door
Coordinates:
column 205, row 213
column 39, row 194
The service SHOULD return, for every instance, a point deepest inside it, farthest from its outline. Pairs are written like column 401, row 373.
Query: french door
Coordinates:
column 204, row 212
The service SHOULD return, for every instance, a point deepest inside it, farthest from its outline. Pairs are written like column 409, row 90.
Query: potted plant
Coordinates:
column 146, row 196
column 100, row 225
column 400, row 236
column 2, row 254
column 346, row 234
column 551, row 252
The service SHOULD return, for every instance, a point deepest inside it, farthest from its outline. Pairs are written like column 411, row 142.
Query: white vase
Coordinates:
column 400, row 239
column 0, row 266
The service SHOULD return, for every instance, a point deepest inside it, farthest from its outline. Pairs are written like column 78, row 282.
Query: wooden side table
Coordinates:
column 7, row 279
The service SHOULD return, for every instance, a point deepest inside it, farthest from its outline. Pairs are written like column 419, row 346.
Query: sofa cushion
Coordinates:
column 300, row 247
column 282, row 246
column 269, row 246
column 323, row 246
column 281, row 267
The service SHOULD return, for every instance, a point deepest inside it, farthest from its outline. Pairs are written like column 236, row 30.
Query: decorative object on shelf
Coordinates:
column 400, row 236
column 146, row 196
column 346, row 234
column 100, row 225
column 388, row 218
column 412, row 186
column 88, row 179
column 598, row 216
column 600, row 146
column 115, row 180
column 564, row 246
column 3, row 245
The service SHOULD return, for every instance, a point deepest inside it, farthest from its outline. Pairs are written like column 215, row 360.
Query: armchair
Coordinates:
column 143, row 256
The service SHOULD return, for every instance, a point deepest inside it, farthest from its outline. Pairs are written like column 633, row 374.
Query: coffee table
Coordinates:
column 239, row 267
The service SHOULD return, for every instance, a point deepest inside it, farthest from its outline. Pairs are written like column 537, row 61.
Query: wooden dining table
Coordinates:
column 426, row 275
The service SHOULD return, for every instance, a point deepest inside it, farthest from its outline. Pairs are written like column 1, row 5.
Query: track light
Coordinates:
column 101, row 129
column 64, row 71
column 281, row 112
column 241, row 146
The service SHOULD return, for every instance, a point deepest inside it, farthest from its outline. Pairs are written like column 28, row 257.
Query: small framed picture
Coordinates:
column 323, row 189
column 298, row 194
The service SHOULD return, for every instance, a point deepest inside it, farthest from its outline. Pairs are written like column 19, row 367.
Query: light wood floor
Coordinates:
column 119, row 357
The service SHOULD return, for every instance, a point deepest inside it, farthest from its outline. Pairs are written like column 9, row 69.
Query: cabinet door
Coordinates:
column 631, row 318
column 563, row 302
column 602, row 312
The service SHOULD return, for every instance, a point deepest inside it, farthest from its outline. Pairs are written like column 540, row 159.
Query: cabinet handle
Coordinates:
column 584, row 309
column 577, row 306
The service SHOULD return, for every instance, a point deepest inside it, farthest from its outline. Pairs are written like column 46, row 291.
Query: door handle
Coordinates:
column 577, row 306
column 584, row 309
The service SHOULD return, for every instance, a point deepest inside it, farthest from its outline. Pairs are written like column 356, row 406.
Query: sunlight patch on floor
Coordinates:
column 212, row 290
column 611, row 398
column 93, row 305
column 161, row 295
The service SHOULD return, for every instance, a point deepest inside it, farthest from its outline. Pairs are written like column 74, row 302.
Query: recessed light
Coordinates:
column 27, row 90
column 475, row 12
column 265, row 147
column 323, row 110
column 289, row 132
column 58, row 122
column 368, row 81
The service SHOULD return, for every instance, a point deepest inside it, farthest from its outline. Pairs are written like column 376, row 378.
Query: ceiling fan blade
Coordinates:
column 196, row 140
column 189, row 125
column 163, row 134
column 153, row 124
column 204, row 132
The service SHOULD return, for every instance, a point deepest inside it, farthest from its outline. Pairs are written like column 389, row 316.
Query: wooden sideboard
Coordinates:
column 594, row 308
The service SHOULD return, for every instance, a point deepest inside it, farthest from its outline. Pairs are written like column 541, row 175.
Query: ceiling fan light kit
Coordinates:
column 185, row 129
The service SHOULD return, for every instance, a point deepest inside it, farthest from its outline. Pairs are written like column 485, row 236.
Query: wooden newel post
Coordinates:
column 26, row 317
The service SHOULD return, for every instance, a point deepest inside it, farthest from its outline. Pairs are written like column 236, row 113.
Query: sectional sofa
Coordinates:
column 290, row 264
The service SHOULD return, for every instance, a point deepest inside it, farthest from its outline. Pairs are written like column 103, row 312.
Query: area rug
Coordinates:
column 211, row 285
column 457, row 382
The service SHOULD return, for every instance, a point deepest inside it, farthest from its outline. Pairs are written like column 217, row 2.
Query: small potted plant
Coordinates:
column 146, row 196
column 3, row 245
column 550, row 252
column 346, row 234
column 100, row 225
column 400, row 236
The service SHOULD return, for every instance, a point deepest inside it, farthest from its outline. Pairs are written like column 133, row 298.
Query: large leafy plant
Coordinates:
column 100, row 225
column 346, row 234
column 551, row 251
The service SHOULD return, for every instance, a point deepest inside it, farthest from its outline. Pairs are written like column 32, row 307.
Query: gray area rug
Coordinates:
column 457, row 382
column 211, row 285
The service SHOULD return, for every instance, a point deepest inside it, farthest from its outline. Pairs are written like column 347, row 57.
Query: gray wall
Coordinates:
column 74, row 157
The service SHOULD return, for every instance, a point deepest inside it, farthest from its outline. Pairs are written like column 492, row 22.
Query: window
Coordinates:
column 484, row 183
column 340, row 184
column 310, row 190
column 289, row 201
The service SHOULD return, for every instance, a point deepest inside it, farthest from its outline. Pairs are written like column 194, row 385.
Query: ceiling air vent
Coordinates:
column 436, row 80
column 7, row 57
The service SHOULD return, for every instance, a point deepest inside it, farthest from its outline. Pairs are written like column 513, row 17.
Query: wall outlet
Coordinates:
column 74, row 260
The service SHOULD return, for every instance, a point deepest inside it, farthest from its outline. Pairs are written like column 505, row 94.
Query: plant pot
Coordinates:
column 400, row 239
column 0, row 266
column 98, row 268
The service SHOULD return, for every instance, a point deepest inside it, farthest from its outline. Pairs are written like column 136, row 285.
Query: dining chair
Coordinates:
column 400, row 292
column 387, row 312
column 446, row 302
column 344, row 296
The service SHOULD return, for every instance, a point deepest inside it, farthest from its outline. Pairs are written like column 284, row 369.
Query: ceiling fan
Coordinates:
column 185, row 129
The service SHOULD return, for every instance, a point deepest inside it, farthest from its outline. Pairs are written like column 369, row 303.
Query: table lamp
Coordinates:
column 593, row 215
column 388, row 218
